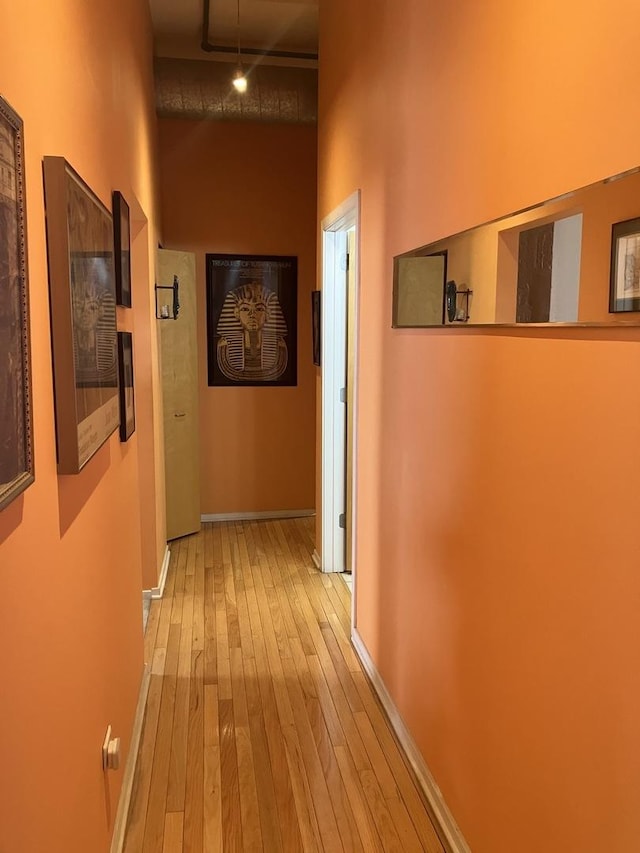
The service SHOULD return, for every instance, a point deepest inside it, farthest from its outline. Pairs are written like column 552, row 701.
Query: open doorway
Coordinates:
column 340, row 231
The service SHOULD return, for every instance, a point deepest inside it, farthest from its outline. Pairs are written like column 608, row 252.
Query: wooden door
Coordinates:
column 179, row 366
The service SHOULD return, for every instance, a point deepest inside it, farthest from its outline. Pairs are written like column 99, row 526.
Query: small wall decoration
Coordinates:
column 83, row 315
column 624, row 291
column 16, row 443
column 125, row 375
column 252, row 319
column 122, row 249
column 316, row 324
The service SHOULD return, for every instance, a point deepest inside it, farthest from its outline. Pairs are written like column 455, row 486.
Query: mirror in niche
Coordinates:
column 551, row 263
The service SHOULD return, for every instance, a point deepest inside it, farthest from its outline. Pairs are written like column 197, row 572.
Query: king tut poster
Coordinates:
column 252, row 319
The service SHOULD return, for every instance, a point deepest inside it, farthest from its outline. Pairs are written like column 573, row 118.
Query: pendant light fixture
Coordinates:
column 239, row 78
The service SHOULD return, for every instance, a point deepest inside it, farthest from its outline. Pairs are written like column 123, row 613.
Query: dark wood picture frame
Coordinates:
column 83, row 315
column 252, row 320
column 316, row 326
column 624, row 283
column 122, row 249
column 126, row 386
column 16, row 432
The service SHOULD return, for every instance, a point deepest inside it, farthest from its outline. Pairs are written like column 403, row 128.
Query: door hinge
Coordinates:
column 342, row 521
column 345, row 262
column 343, row 395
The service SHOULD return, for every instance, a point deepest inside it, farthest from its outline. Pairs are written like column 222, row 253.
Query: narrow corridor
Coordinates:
column 261, row 729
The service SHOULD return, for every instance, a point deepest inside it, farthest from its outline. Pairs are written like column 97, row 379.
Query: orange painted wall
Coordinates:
column 248, row 188
column 71, row 548
column 498, row 498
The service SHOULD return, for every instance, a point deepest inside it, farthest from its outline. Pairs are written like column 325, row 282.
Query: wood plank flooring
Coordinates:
column 261, row 731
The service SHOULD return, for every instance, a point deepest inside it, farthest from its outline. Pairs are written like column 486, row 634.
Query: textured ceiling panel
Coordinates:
column 281, row 24
column 203, row 90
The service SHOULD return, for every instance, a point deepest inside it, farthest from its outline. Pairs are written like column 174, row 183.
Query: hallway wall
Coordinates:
column 248, row 189
column 72, row 548
column 498, row 497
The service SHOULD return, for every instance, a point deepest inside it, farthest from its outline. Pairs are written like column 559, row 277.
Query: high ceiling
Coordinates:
column 290, row 25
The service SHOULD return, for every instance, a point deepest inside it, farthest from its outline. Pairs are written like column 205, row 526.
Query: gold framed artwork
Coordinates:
column 83, row 315
column 16, row 440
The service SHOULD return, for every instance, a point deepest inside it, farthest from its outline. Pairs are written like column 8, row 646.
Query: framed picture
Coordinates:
column 16, row 441
column 252, row 320
column 83, row 315
column 125, row 376
column 419, row 290
column 316, row 325
column 624, row 289
column 122, row 249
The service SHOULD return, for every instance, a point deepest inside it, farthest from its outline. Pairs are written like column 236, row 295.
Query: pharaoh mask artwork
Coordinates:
column 251, row 320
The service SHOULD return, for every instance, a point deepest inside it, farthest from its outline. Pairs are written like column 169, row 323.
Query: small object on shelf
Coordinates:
column 166, row 310
column 457, row 308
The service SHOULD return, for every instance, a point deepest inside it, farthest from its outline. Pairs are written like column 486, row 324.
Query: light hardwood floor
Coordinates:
column 261, row 730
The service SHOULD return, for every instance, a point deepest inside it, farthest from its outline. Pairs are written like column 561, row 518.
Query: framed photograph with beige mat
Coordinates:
column 83, row 315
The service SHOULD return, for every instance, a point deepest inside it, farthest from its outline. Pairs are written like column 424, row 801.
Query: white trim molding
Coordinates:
column 445, row 820
column 158, row 591
column 120, row 825
column 316, row 559
column 334, row 234
column 257, row 516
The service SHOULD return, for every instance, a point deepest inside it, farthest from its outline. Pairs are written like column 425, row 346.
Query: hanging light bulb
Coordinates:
column 239, row 78
column 240, row 81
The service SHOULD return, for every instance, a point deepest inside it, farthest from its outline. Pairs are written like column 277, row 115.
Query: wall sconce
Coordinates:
column 168, row 310
column 457, row 303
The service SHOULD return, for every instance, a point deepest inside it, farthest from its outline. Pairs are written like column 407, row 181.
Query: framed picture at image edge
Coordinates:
column 83, row 315
column 316, row 326
column 125, row 377
column 624, row 288
column 122, row 249
column 16, row 441
column 252, row 320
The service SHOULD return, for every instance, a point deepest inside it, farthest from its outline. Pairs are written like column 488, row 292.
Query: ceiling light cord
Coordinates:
column 239, row 78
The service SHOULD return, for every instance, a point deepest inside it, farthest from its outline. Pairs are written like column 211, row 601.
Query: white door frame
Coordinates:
column 334, row 329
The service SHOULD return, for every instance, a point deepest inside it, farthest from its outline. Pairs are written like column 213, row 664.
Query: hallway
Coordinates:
column 261, row 730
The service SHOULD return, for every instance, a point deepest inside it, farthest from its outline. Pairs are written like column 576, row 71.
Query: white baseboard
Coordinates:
column 257, row 516
column 446, row 822
column 120, row 826
column 316, row 559
column 158, row 591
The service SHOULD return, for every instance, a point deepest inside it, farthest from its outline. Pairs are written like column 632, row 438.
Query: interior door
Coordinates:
column 179, row 365
column 348, row 468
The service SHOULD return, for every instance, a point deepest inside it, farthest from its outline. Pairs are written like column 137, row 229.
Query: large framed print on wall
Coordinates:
column 16, row 441
column 252, row 320
column 83, row 315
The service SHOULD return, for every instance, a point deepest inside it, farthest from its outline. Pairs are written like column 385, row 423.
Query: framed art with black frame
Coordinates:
column 83, row 315
column 252, row 320
column 16, row 437
column 624, row 287
column 125, row 377
column 316, row 326
column 122, row 249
